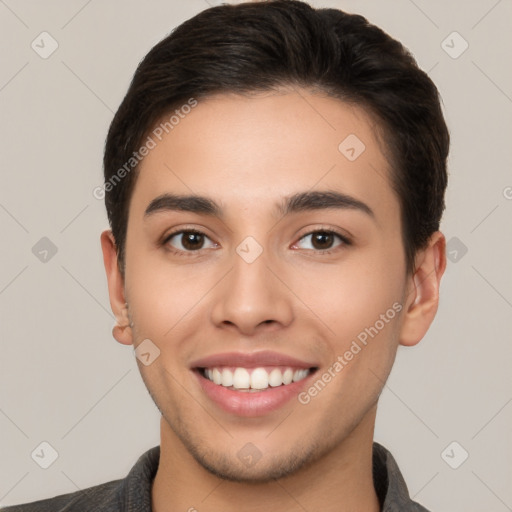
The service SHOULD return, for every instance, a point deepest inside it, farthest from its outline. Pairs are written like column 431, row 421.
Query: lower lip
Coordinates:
column 251, row 403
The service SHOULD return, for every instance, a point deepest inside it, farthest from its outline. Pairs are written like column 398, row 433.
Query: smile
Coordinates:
column 254, row 379
column 252, row 384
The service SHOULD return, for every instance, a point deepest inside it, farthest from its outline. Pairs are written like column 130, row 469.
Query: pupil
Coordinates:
column 192, row 240
column 322, row 240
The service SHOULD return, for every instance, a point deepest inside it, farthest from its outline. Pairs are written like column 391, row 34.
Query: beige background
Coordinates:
column 64, row 380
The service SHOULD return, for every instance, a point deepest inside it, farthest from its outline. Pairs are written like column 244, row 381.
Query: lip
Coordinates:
column 251, row 403
column 251, row 360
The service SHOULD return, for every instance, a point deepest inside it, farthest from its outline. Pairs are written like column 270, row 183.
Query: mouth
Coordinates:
column 254, row 379
column 252, row 385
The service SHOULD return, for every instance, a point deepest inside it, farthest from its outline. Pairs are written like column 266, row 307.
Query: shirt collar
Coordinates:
column 389, row 483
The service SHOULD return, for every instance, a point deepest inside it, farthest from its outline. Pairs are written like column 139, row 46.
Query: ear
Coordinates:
column 122, row 330
column 423, row 292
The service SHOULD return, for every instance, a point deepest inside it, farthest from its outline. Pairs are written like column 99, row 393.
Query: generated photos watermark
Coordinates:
column 355, row 348
column 150, row 143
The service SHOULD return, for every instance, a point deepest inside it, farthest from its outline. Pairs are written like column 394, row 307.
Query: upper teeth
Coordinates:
column 257, row 378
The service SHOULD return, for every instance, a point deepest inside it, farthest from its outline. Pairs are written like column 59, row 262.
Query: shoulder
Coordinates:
column 101, row 498
column 132, row 492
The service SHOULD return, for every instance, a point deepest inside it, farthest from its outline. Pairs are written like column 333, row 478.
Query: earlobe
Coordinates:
column 122, row 330
column 423, row 298
column 122, row 333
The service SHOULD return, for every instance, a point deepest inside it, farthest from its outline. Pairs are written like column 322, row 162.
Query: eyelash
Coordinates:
column 345, row 241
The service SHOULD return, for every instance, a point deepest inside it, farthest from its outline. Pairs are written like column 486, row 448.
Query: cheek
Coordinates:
column 352, row 296
column 165, row 302
column 161, row 292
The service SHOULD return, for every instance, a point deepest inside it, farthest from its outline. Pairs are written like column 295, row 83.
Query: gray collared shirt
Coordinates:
column 133, row 493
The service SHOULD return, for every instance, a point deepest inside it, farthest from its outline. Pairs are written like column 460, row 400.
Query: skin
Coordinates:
column 248, row 153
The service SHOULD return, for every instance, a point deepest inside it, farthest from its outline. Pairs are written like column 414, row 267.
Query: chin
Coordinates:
column 251, row 466
column 261, row 472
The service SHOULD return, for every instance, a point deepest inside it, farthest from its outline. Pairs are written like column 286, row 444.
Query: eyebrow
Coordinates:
column 300, row 202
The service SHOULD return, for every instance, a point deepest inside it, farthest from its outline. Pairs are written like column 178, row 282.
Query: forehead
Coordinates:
column 251, row 150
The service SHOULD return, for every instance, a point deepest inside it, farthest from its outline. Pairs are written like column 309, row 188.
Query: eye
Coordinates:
column 322, row 240
column 189, row 240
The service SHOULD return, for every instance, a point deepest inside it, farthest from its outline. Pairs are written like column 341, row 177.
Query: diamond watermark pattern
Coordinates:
column 454, row 455
column 352, row 147
column 44, row 45
column 44, row 455
column 249, row 249
column 44, row 250
column 455, row 249
column 249, row 455
column 146, row 352
column 454, row 45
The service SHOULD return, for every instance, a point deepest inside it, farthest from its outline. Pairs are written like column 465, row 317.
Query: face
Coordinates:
column 276, row 299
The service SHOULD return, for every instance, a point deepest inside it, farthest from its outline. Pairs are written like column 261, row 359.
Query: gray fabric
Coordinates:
column 390, row 485
column 133, row 493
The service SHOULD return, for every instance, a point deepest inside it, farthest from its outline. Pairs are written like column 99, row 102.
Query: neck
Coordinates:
column 340, row 481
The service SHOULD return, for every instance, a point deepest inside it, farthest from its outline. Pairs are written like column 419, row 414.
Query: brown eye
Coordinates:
column 192, row 241
column 188, row 241
column 322, row 240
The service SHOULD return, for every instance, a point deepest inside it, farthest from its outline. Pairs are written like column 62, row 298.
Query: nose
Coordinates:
column 251, row 298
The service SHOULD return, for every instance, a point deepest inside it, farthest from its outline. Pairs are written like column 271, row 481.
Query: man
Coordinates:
column 274, row 181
